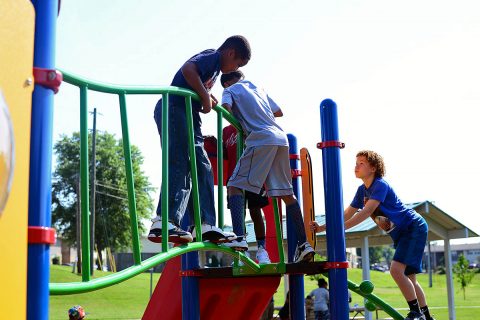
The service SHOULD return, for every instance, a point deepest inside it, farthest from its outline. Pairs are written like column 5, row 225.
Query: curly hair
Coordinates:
column 375, row 160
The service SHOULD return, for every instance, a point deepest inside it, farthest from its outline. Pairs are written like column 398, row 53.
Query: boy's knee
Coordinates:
column 231, row 191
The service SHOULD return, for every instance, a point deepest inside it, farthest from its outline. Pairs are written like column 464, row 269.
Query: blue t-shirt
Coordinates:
column 208, row 67
column 390, row 205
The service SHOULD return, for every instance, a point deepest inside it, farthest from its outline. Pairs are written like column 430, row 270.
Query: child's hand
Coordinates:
column 206, row 104
column 315, row 227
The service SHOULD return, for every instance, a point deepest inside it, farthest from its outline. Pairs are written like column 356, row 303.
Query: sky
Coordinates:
column 404, row 74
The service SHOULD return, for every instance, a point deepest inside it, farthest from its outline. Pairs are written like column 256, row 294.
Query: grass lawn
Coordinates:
column 129, row 299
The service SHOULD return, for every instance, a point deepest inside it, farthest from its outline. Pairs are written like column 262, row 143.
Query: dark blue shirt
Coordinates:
column 208, row 67
column 390, row 205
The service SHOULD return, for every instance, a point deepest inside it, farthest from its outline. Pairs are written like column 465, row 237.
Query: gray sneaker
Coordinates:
column 175, row 234
column 262, row 256
column 213, row 234
column 239, row 244
column 304, row 253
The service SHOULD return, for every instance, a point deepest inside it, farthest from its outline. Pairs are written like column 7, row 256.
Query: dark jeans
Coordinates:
column 180, row 180
column 322, row 315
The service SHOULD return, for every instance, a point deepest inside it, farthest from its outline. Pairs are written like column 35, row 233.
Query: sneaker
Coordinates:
column 262, row 256
column 414, row 315
column 239, row 244
column 175, row 234
column 214, row 234
column 304, row 253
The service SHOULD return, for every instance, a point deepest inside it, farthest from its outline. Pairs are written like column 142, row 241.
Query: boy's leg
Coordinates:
column 255, row 204
column 397, row 271
column 236, row 203
column 279, row 184
column 422, row 299
column 179, row 177
column 205, row 185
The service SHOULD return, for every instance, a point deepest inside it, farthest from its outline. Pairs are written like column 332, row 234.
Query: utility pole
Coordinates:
column 93, row 188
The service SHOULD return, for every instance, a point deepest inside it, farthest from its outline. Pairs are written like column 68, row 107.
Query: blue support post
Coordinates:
column 334, row 211
column 190, row 287
column 40, row 188
column 296, row 284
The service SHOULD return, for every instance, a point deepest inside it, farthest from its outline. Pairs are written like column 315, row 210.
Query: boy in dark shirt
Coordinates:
column 199, row 74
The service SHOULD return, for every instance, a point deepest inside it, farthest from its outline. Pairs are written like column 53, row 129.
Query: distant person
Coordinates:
column 264, row 161
column 199, row 74
column 321, row 300
column 255, row 202
column 408, row 230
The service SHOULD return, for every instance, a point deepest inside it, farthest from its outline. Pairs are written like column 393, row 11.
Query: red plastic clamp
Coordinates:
column 327, row 144
column 49, row 78
column 294, row 156
column 41, row 235
column 296, row 173
column 336, row 265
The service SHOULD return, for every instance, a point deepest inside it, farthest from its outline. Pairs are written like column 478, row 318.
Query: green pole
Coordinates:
column 165, row 203
column 84, row 180
column 127, row 153
column 278, row 229
column 193, row 170
column 221, row 222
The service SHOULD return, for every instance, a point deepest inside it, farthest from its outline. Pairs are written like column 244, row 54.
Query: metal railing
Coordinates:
column 89, row 285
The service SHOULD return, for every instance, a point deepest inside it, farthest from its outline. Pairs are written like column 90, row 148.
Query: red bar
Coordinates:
column 327, row 144
column 296, row 173
column 294, row 156
column 336, row 265
column 49, row 78
column 41, row 235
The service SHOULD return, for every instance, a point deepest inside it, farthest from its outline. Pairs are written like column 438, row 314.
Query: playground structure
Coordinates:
column 198, row 294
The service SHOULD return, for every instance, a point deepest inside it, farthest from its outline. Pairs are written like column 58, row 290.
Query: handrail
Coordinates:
column 115, row 278
column 84, row 85
column 374, row 299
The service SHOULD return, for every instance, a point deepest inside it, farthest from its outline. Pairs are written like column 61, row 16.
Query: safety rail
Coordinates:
column 365, row 290
column 89, row 285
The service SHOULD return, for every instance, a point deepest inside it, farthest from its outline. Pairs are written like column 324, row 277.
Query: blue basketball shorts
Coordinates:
column 410, row 245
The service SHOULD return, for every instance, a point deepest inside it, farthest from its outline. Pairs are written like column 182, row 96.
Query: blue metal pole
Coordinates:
column 296, row 284
column 190, row 287
column 40, row 188
column 334, row 211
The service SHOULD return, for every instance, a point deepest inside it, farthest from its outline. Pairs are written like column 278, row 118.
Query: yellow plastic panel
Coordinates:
column 17, row 27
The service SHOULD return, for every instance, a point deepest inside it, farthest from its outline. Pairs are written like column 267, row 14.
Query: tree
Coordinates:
column 112, row 223
column 462, row 273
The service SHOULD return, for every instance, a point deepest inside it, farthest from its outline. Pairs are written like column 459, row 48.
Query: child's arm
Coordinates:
column 227, row 107
column 190, row 72
column 350, row 216
column 363, row 214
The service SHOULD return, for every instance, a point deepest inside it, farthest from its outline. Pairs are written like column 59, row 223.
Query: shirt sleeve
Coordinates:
column 379, row 190
column 358, row 199
column 227, row 97
column 273, row 105
column 206, row 62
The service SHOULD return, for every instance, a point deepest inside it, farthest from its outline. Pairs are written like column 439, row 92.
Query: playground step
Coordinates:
column 307, row 268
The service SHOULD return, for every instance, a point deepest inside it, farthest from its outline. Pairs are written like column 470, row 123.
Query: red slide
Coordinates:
column 220, row 298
